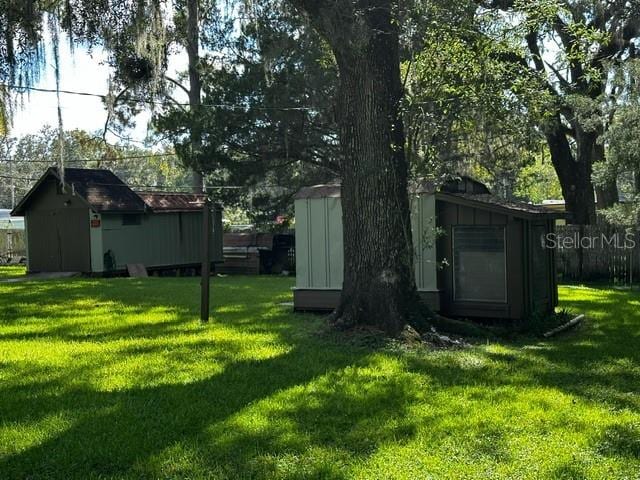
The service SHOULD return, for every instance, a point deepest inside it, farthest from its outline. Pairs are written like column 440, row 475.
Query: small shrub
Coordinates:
column 538, row 323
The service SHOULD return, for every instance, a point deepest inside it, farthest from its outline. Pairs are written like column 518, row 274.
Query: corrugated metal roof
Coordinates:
column 173, row 202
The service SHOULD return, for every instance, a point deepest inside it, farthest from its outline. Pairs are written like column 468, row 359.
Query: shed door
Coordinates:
column 59, row 240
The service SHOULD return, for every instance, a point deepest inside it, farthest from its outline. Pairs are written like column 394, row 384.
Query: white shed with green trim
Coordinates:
column 319, row 247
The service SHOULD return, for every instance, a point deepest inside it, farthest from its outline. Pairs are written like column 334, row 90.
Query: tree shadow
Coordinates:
column 308, row 408
column 117, row 433
column 305, row 392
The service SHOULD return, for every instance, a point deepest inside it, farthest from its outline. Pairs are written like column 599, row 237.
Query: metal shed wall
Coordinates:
column 319, row 252
column 319, row 247
column 423, row 227
column 161, row 239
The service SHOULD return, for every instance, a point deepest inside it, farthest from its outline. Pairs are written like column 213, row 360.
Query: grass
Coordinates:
column 12, row 271
column 117, row 379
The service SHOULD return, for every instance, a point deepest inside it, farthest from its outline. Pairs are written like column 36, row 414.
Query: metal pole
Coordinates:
column 206, row 260
column 631, row 269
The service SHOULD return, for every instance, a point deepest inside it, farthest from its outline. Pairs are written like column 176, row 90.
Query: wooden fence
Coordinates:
column 598, row 253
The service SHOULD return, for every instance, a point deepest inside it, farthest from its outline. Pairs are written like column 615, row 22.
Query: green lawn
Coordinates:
column 12, row 271
column 118, row 379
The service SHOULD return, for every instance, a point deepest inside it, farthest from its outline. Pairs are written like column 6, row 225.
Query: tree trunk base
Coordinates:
column 383, row 308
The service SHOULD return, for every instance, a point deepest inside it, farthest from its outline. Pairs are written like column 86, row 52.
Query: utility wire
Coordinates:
column 108, row 159
column 227, row 106
column 213, row 187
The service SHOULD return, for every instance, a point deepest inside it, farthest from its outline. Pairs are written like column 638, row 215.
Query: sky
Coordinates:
column 82, row 71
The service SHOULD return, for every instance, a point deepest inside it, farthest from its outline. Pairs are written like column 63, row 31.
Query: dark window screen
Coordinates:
column 479, row 264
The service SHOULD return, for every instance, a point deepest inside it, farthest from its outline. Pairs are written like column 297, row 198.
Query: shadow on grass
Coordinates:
column 112, row 432
column 132, row 429
column 309, row 408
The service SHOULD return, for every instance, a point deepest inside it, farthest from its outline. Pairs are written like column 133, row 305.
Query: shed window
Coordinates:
column 131, row 219
column 479, row 264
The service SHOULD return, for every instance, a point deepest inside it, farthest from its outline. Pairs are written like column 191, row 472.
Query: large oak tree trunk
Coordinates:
column 379, row 285
column 575, row 170
column 607, row 193
column 574, row 174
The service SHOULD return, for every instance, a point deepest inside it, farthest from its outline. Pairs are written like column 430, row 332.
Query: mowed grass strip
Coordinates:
column 12, row 271
column 118, row 379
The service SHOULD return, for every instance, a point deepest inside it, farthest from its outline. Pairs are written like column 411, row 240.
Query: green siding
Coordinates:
column 319, row 248
column 423, row 226
column 162, row 239
column 319, row 243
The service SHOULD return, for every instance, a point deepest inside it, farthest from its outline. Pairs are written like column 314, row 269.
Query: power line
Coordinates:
column 227, row 106
column 108, row 159
column 212, row 187
column 13, row 177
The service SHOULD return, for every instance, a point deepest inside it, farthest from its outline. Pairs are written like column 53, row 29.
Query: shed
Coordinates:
column 95, row 223
column 475, row 255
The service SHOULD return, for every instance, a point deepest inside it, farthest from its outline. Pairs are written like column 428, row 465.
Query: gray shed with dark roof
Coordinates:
column 475, row 254
column 95, row 223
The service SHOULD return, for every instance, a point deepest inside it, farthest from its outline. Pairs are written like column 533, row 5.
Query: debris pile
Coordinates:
column 411, row 337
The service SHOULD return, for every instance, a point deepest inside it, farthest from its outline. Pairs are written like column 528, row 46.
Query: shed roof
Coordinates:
column 102, row 190
column 173, row 202
column 458, row 184
column 464, row 190
column 492, row 202
column 318, row 191
column 454, row 184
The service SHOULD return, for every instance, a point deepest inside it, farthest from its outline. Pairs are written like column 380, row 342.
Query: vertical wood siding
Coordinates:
column 57, row 228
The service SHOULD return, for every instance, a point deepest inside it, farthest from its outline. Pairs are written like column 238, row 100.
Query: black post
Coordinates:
column 206, row 260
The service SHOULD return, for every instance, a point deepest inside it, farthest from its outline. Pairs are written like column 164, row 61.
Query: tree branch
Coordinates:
column 178, row 84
